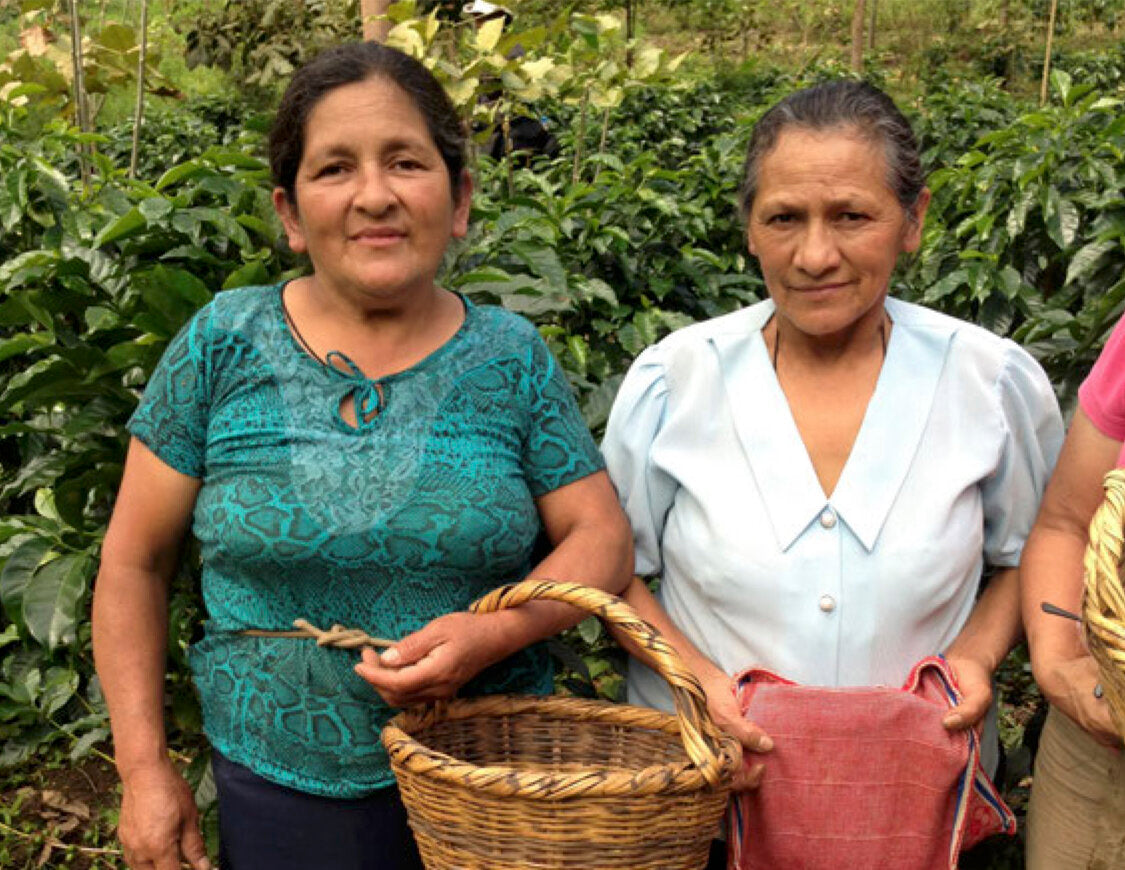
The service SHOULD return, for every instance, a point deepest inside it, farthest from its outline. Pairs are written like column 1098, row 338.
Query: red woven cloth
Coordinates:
column 862, row 778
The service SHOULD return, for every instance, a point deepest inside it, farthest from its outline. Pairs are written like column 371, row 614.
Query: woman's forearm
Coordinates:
column 594, row 553
column 130, row 614
column 130, row 629
column 994, row 627
column 1052, row 566
column 1052, row 573
column 593, row 546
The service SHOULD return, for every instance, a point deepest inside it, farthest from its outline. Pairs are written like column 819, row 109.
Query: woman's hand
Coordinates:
column 434, row 662
column 159, row 824
column 722, row 704
column 974, row 679
column 1068, row 684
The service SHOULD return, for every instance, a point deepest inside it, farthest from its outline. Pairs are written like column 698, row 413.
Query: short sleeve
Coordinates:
column 1032, row 439
column 646, row 493
column 171, row 419
column 559, row 448
column 1102, row 394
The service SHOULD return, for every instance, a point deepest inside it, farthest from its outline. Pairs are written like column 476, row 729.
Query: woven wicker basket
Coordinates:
column 512, row 782
column 1104, row 602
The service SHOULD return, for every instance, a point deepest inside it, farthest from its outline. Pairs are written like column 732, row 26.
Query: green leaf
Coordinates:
column 88, row 741
column 19, row 568
column 118, row 37
column 125, row 225
column 1060, row 83
column 9, row 635
column 590, row 629
column 50, row 601
column 155, row 208
column 181, row 284
column 488, row 34
column 180, row 173
column 247, row 274
column 22, row 343
column 578, row 348
column 1088, row 257
column 59, row 686
column 1063, row 219
column 542, row 261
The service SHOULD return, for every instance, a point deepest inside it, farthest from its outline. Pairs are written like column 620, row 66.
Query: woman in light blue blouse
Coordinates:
column 358, row 446
column 820, row 479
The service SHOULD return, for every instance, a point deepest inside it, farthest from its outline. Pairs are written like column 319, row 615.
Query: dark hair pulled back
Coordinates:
column 348, row 64
column 854, row 106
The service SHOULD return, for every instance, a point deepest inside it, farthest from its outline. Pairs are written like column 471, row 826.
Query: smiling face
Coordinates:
column 827, row 229
column 374, row 205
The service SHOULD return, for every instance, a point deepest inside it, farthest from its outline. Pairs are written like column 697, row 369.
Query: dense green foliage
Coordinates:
column 1024, row 234
column 629, row 232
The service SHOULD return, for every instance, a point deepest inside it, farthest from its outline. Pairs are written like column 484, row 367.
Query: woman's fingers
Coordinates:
column 975, row 682
column 159, row 822
column 749, row 776
column 428, row 665
column 1069, row 685
column 747, row 733
column 193, row 848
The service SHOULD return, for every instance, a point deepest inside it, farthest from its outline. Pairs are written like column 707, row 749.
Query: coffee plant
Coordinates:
column 630, row 231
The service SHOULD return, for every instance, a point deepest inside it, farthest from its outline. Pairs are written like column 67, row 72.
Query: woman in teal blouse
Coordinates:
column 359, row 446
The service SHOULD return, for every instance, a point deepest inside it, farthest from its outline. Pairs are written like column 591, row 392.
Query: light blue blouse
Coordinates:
column 760, row 567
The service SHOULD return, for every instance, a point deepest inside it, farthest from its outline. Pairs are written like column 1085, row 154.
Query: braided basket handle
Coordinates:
column 1103, row 605
column 702, row 740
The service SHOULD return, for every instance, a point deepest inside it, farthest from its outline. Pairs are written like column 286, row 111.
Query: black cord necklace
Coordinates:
column 367, row 395
column 297, row 333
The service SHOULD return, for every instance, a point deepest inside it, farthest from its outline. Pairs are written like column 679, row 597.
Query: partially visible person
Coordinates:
column 1076, row 819
column 519, row 137
column 357, row 446
column 821, row 479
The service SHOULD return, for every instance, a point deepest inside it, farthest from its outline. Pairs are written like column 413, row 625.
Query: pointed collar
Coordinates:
column 884, row 449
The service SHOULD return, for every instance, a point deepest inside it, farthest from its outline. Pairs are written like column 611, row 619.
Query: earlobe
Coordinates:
column 463, row 205
column 290, row 220
column 917, row 217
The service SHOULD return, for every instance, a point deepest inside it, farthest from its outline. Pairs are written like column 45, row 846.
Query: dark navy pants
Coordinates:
column 265, row 826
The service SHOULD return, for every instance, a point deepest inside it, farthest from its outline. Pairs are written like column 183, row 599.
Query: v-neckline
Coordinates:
column 855, row 435
column 877, row 464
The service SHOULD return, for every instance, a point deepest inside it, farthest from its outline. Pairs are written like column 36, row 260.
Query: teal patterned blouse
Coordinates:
column 383, row 526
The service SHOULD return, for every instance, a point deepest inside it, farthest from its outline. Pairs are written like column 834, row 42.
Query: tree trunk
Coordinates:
column 139, row 112
column 81, row 108
column 857, row 36
column 630, row 30
column 871, row 29
column 1047, row 53
column 580, row 140
column 374, row 29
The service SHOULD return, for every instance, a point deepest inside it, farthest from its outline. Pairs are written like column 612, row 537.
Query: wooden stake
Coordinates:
column 375, row 28
column 81, row 109
column 581, row 138
column 858, row 21
column 1047, row 53
column 139, row 111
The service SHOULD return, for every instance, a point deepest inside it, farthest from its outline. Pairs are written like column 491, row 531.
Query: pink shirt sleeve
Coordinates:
column 1102, row 394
